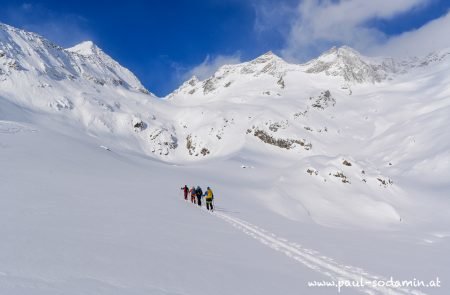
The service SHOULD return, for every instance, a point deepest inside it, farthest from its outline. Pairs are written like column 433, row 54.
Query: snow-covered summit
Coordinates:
column 25, row 54
column 269, row 55
column 268, row 73
column 268, row 63
column 81, row 85
column 351, row 65
column 228, row 76
column 85, row 48
column 103, row 66
column 341, row 64
column 265, row 59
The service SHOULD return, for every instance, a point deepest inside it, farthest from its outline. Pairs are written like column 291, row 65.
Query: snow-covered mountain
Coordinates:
column 342, row 144
column 81, row 85
column 267, row 65
column 88, row 86
column 25, row 54
column 349, row 64
column 344, row 63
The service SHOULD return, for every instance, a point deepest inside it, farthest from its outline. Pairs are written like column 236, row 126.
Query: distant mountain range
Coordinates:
column 341, row 103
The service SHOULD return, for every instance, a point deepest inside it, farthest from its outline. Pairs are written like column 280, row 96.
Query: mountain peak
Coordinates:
column 7, row 27
column 339, row 52
column 85, row 48
column 269, row 53
column 193, row 80
column 348, row 63
column 269, row 56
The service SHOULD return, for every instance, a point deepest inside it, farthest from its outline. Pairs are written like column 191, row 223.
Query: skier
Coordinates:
column 185, row 191
column 209, row 197
column 199, row 193
column 193, row 193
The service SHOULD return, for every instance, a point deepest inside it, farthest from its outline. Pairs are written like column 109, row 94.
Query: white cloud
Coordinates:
column 430, row 37
column 321, row 24
column 210, row 65
column 272, row 15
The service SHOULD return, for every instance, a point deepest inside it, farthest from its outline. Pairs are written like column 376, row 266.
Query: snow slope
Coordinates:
column 345, row 156
column 81, row 219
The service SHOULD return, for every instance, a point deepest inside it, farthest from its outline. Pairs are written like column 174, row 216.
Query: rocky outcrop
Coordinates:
column 195, row 146
column 280, row 142
column 163, row 141
column 323, row 101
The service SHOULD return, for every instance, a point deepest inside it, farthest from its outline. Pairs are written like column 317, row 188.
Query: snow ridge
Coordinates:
column 28, row 54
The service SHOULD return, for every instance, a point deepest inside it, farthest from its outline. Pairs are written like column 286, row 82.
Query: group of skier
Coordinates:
column 196, row 194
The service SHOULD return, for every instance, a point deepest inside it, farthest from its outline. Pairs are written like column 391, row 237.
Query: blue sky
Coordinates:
column 164, row 42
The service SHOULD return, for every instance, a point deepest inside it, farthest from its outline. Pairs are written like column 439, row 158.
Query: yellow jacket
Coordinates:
column 209, row 195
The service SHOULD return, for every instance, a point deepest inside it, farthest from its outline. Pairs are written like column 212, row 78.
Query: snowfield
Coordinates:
column 334, row 170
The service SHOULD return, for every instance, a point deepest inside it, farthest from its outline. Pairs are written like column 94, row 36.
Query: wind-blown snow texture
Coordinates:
column 346, row 155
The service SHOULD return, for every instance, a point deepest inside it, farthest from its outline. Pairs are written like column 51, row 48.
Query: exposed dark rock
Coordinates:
column 204, row 151
column 208, row 86
column 312, row 171
column 98, row 81
column 385, row 182
column 281, row 82
column 282, row 143
column 193, row 81
column 192, row 147
column 164, row 141
column 173, row 144
column 277, row 125
column 140, row 126
column 15, row 65
column 341, row 175
column 346, row 163
column 118, row 82
column 324, row 100
column 189, row 145
column 143, row 90
column 300, row 114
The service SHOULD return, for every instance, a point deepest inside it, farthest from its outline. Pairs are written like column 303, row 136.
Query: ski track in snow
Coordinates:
column 313, row 259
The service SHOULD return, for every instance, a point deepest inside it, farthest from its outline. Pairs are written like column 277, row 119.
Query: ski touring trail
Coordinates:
column 314, row 260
